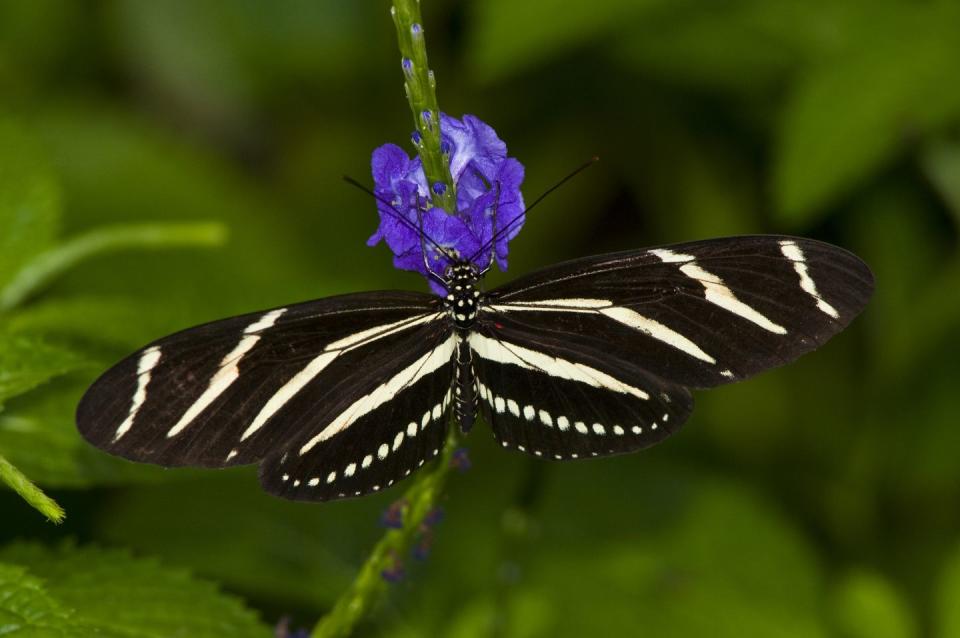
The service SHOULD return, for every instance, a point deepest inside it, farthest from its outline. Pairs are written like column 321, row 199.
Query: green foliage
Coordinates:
column 26, row 361
column 87, row 591
column 28, row 610
column 850, row 114
column 818, row 500
column 684, row 564
column 549, row 27
column 30, row 260
column 866, row 605
column 941, row 162
column 29, row 201
column 38, row 435
column 948, row 613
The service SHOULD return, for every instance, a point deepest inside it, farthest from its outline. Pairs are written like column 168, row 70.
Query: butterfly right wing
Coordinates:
column 239, row 390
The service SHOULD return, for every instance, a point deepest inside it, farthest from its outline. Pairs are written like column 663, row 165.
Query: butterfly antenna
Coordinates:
column 520, row 218
column 399, row 216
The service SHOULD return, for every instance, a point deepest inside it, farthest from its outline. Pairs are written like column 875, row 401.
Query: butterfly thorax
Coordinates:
column 463, row 297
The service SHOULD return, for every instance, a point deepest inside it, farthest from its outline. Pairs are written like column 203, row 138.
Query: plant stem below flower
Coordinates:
column 421, row 88
column 419, row 500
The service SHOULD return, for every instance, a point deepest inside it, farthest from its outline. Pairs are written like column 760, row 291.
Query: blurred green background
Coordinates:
column 816, row 500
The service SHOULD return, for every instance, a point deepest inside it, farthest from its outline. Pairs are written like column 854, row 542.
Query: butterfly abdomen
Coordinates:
column 465, row 388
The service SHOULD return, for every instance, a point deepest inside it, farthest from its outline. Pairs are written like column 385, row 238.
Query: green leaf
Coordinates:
column 212, row 53
column 29, row 200
column 743, row 46
column 36, row 38
column 276, row 549
column 894, row 80
column 38, row 434
column 111, row 593
column 866, row 605
column 55, row 261
column 79, row 321
column 947, row 611
column 268, row 261
column 27, row 610
column 26, row 361
column 620, row 546
column 941, row 163
column 508, row 37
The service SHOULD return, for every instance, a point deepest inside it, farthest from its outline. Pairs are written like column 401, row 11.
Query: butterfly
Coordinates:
column 347, row 395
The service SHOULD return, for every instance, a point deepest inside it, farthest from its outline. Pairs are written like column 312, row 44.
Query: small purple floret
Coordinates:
column 282, row 630
column 392, row 518
column 480, row 169
column 393, row 574
column 433, row 518
column 439, row 188
column 460, row 461
column 421, row 550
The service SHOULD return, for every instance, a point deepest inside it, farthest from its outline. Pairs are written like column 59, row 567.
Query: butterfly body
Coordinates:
column 347, row 395
column 464, row 296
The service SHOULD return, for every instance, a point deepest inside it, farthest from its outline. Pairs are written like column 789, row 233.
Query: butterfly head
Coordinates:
column 463, row 296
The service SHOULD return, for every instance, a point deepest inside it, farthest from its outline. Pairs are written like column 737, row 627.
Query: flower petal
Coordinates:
column 481, row 169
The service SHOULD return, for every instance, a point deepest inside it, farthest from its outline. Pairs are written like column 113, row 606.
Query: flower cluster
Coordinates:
column 488, row 199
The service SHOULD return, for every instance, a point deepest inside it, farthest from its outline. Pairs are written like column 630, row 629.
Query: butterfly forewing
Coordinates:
column 698, row 314
column 238, row 390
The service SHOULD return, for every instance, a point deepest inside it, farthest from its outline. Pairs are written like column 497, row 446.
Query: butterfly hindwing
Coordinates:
column 698, row 314
column 238, row 390
column 544, row 398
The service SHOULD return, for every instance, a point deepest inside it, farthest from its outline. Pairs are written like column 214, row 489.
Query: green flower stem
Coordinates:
column 421, row 88
column 48, row 265
column 32, row 494
column 369, row 585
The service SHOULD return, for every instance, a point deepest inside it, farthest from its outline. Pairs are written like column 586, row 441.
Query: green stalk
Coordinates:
column 421, row 497
column 369, row 586
column 421, row 88
column 32, row 494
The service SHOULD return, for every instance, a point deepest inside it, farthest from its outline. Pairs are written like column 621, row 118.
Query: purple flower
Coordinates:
column 394, row 572
column 480, row 169
column 392, row 518
column 460, row 460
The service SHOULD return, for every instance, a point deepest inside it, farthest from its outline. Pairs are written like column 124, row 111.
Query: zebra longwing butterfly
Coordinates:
column 347, row 395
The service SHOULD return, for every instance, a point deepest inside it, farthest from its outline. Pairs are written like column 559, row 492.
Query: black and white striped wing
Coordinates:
column 698, row 314
column 251, row 388
column 543, row 397
column 376, row 432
